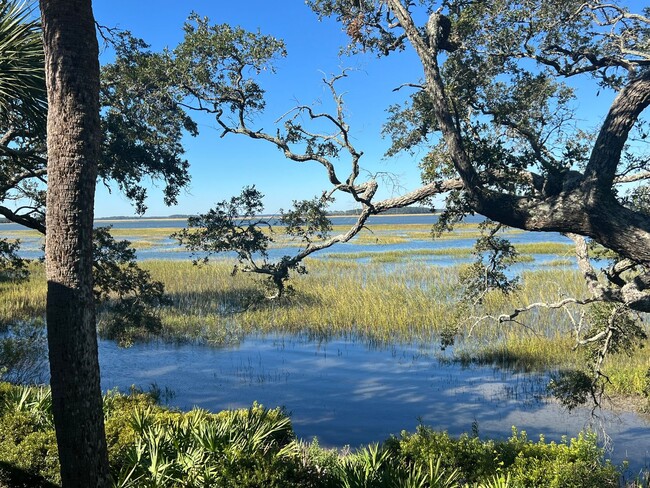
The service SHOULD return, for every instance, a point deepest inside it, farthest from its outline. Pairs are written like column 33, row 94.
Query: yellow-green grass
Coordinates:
column 143, row 232
column 558, row 248
column 23, row 301
column 399, row 255
column 406, row 303
column 409, row 303
column 396, row 256
column 560, row 262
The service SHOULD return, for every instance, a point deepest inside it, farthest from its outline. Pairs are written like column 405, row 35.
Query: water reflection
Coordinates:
column 347, row 393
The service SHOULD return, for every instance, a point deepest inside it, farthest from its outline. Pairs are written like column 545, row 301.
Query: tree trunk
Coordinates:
column 73, row 135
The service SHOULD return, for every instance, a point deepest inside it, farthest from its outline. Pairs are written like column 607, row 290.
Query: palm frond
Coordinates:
column 22, row 80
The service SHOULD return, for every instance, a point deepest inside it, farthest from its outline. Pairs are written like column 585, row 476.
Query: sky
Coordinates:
column 220, row 167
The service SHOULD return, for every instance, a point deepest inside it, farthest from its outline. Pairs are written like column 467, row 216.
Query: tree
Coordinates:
column 507, row 128
column 73, row 148
column 21, row 65
column 141, row 133
column 495, row 114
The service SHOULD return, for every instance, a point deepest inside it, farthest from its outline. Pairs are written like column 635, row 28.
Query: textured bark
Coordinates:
column 586, row 204
column 73, row 130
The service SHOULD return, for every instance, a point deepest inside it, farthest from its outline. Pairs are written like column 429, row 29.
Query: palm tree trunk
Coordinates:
column 73, row 135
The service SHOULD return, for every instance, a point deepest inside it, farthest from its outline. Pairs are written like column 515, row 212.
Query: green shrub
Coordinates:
column 150, row 445
column 570, row 463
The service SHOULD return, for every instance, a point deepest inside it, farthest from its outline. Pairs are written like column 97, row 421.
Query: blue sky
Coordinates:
column 220, row 167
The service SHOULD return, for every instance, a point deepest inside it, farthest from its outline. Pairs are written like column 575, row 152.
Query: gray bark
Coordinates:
column 73, row 130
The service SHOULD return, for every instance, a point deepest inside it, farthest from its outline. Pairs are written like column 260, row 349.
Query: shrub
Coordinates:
column 150, row 445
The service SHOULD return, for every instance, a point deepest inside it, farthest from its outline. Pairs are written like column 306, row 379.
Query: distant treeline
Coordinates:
column 392, row 211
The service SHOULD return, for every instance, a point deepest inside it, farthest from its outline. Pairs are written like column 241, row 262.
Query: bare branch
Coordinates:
column 23, row 219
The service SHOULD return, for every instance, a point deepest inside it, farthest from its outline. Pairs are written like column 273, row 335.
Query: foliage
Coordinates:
column 12, row 266
column 142, row 128
column 572, row 388
column 153, row 446
column 27, row 438
column 575, row 462
column 130, row 299
column 22, row 84
column 307, row 220
column 23, row 352
column 232, row 225
column 143, row 123
column 235, row 225
column 488, row 272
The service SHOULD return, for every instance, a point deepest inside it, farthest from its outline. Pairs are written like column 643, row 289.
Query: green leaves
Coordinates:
column 214, row 63
column 12, row 267
column 197, row 449
column 307, row 219
column 128, row 297
column 22, row 75
column 143, row 122
column 232, row 225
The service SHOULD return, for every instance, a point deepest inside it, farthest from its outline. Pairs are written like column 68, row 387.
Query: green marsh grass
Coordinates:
column 18, row 234
column 406, row 303
column 23, row 301
column 382, row 297
column 560, row 262
column 546, row 248
column 399, row 255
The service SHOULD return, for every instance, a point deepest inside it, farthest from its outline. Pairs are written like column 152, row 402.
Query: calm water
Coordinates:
column 172, row 223
column 345, row 392
column 31, row 247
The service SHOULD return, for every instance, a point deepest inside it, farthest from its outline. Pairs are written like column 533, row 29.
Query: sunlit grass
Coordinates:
column 382, row 297
column 560, row 262
column 143, row 232
column 21, row 301
column 399, row 255
column 19, row 234
column 546, row 248
column 407, row 302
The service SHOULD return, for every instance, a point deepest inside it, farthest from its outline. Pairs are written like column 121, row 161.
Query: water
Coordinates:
column 347, row 393
column 169, row 249
column 179, row 223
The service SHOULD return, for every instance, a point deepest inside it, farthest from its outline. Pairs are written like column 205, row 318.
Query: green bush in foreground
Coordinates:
column 153, row 446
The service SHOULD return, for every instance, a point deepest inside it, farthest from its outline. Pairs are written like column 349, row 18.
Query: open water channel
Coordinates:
column 347, row 392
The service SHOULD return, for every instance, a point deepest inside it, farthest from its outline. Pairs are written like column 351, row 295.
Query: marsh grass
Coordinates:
column 381, row 297
column 399, row 255
column 546, row 248
column 23, row 301
column 19, row 234
column 385, row 305
column 560, row 262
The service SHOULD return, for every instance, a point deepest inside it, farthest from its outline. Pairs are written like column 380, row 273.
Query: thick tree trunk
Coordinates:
column 73, row 134
column 586, row 203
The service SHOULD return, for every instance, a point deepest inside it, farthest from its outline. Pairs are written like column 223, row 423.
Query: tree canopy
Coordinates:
column 141, row 139
column 496, row 116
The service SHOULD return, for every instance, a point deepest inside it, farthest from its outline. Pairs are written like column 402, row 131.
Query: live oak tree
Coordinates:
column 73, row 148
column 496, row 108
column 495, row 113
